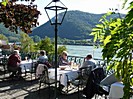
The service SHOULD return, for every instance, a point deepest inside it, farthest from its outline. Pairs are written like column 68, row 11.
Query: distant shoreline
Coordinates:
column 78, row 44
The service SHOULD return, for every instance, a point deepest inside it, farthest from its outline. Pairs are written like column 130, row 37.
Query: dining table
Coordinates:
column 116, row 91
column 64, row 76
column 64, row 73
column 26, row 65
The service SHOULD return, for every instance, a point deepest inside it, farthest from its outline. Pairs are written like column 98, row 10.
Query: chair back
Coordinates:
column 44, row 77
column 92, row 86
column 4, row 61
column 86, row 72
column 98, row 75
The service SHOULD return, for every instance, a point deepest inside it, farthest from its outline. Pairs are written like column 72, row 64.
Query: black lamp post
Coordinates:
column 56, row 6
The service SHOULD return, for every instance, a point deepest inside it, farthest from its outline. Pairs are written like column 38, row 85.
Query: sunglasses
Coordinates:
column 65, row 54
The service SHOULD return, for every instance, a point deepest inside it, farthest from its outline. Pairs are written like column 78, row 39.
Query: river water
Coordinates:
column 78, row 50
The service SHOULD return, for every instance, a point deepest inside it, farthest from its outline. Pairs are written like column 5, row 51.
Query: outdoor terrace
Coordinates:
column 27, row 89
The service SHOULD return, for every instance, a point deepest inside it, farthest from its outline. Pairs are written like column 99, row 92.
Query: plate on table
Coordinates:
column 64, row 67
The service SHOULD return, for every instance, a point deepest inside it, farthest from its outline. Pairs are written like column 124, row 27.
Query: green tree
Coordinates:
column 3, row 37
column 61, row 49
column 36, row 38
column 46, row 45
column 27, row 43
column 116, row 36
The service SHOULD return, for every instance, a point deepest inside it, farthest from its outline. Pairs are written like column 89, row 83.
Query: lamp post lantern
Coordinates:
column 56, row 6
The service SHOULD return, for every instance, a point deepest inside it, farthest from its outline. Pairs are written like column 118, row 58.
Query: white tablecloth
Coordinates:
column 26, row 65
column 65, row 75
column 116, row 91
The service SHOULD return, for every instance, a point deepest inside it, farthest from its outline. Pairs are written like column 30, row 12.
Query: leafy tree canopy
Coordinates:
column 27, row 43
column 36, row 38
column 46, row 45
column 3, row 37
column 116, row 36
column 19, row 16
column 61, row 49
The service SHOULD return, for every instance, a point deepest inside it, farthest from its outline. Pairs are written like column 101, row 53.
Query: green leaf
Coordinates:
column 107, row 39
column 100, row 26
column 131, row 5
column 4, row 3
column 125, row 1
column 129, row 16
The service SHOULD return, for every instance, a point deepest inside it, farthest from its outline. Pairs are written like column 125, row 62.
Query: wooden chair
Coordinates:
column 44, row 78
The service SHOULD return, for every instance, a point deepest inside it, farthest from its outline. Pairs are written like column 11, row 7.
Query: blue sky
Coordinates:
column 91, row 6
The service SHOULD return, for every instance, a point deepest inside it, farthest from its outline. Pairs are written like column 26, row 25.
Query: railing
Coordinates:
column 80, row 60
column 76, row 59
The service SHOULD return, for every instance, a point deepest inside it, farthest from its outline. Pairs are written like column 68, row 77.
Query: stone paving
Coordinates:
column 28, row 89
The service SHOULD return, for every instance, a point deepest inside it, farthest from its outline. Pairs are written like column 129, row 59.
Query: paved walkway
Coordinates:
column 27, row 89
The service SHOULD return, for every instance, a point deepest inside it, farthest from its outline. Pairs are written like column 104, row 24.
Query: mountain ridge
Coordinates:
column 76, row 25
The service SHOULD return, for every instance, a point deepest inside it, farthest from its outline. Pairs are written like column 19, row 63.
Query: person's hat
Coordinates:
column 65, row 52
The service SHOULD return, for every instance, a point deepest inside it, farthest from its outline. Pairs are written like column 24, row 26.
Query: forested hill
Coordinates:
column 10, row 35
column 76, row 25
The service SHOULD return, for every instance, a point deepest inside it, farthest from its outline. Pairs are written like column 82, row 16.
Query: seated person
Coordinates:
column 43, row 57
column 42, row 61
column 13, row 64
column 86, row 67
column 63, row 59
column 89, row 61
